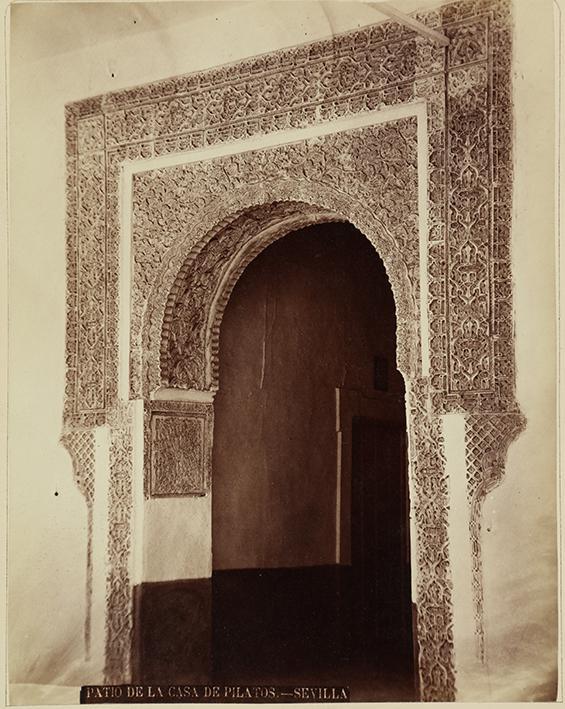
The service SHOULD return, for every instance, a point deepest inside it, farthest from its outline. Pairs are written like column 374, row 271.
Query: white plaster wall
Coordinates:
column 182, row 527
column 519, row 533
column 46, row 532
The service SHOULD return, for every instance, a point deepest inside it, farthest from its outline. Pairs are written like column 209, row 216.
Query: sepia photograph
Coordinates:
column 282, row 335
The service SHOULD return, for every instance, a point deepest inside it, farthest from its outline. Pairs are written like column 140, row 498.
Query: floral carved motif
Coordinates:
column 431, row 506
column 119, row 617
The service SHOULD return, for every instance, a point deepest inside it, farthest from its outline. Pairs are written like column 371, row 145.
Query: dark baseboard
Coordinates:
column 172, row 632
column 279, row 620
column 254, row 623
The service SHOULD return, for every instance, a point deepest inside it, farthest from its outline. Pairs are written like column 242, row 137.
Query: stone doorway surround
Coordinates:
column 172, row 189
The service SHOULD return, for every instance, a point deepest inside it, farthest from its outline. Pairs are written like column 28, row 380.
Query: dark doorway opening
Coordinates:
column 310, row 523
column 380, row 560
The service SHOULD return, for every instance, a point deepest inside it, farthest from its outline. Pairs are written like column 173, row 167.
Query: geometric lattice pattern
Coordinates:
column 80, row 445
column 487, row 437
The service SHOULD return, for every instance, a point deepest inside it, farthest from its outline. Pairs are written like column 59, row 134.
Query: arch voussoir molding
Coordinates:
column 255, row 229
column 408, row 141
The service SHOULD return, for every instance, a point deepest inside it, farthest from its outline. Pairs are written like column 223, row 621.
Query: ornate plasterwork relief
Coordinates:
column 430, row 506
column 368, row 176
column 178, row 448
column 382, row 65
column 119, row 618
column 466, row 89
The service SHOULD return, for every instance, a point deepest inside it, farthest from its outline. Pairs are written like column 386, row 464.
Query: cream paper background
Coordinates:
column 63, row 52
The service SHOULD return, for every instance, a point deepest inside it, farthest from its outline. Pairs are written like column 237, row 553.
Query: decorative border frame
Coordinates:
column 466, row 88
column 467, row 91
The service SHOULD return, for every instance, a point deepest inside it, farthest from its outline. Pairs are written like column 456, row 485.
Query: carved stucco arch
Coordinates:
column 270, row 220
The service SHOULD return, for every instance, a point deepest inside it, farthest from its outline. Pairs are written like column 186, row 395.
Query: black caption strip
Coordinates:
column 189, row 693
